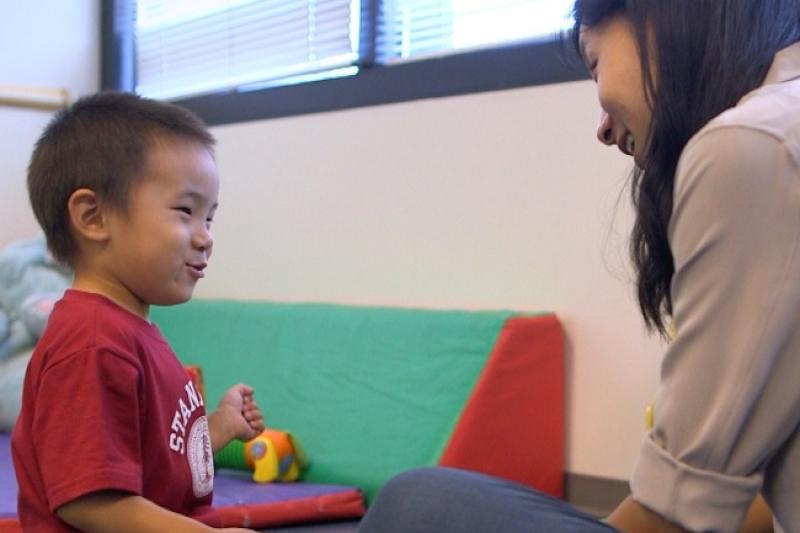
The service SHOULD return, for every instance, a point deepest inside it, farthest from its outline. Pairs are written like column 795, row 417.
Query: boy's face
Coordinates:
column 159, row 249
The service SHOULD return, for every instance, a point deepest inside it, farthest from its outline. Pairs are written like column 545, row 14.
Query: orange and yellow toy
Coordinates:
column 274, row 455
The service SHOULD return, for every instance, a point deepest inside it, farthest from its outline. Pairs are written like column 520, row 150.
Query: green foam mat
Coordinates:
column 231, row 456
column 369, row 392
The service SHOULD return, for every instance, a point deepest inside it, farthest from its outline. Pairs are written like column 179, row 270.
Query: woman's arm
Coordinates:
column 759, row 518
column 122, row 512
column 633, row 517
column 726, row 400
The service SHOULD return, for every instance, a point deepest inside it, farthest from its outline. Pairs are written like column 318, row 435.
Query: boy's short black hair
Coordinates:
column 100, row 143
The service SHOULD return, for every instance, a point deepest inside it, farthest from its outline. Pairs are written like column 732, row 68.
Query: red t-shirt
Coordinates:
column 106, row 405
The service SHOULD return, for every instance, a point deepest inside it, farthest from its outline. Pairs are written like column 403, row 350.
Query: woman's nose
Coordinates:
column 604, row 130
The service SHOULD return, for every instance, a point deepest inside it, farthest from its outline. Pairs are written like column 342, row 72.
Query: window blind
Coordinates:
column 414, row 29
column 192, row 47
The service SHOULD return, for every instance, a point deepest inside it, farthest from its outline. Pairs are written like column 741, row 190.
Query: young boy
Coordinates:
column 113, row 436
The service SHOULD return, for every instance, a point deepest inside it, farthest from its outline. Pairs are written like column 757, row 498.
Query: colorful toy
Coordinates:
column 274, row 455
column 196, row 375
column 31, row 282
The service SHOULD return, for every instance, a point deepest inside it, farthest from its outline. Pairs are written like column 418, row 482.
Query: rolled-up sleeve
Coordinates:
column 728, row 398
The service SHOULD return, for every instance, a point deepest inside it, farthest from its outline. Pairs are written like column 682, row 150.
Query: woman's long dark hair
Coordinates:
column 708, row 54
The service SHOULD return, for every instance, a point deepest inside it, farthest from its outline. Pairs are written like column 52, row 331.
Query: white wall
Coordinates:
column 500, row 200
column 497, row 200
column 47, row 43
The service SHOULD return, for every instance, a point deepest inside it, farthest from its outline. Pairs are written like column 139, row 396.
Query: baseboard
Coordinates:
column 595, row 495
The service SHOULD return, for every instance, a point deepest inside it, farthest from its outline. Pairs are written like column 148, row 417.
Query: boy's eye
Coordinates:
column 186, row 210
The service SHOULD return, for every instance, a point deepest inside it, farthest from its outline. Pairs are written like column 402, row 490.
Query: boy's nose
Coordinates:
column 605, row 132
column 203, row 239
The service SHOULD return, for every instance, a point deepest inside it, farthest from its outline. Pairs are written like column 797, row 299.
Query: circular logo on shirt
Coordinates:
column 201, row 458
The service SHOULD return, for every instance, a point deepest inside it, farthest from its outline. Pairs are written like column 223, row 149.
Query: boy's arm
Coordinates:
column 236, row 417
column 122, row 512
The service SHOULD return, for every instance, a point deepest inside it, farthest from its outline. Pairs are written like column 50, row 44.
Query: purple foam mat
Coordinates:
column 8, row 481
column 231, row 487
column 235, row 487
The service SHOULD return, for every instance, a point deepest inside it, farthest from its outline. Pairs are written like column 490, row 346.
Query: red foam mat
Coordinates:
column 513, row 423
column 303, row 510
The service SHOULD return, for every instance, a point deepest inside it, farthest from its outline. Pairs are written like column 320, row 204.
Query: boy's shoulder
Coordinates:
column 82, row 321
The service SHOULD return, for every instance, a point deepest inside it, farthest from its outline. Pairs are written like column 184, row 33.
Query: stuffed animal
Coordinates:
column 31, row 282
column 12, row 376
column 274, row 455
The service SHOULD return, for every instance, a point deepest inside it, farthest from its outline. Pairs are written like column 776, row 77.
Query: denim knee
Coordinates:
column 415, row 493
column 419, row 485
column 445, row 500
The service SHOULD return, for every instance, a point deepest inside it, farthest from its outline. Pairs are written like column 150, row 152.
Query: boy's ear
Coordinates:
column 86, row 215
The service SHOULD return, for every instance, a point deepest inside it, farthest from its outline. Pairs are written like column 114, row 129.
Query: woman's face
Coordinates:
column 611, row 52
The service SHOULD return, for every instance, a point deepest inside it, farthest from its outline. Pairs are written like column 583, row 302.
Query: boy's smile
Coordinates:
column 159, row 247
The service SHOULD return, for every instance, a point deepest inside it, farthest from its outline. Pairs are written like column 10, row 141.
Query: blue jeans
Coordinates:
column 446, row 500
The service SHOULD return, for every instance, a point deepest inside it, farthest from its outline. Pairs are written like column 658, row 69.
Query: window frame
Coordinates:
column 540, row 62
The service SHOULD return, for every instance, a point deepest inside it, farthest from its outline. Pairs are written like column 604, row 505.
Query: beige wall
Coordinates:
column 495, row 200
column 45, row 43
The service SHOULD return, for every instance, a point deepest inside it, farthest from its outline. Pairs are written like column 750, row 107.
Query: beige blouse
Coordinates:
column 727, row 412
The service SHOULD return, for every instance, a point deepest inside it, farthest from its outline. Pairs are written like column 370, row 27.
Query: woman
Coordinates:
column 705, row 95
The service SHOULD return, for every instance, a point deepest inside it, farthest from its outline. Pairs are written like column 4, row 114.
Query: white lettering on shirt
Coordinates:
column 180, row 420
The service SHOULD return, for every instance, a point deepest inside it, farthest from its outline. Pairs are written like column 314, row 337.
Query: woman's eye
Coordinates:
column 186, row 210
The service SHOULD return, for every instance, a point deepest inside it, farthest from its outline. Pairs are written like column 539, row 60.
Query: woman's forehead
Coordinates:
column 587, row 35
